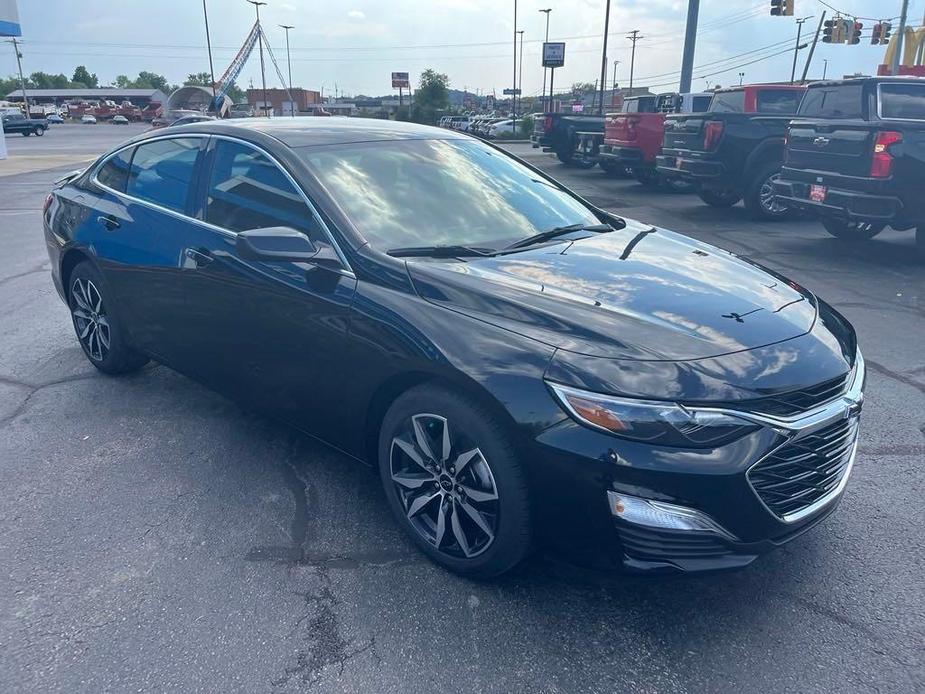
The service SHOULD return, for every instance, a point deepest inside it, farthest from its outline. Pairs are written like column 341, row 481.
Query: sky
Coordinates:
column 354, row 45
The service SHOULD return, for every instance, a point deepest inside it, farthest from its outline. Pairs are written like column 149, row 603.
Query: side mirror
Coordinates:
column 281, row 244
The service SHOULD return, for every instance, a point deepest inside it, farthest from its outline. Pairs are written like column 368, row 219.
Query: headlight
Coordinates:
column 661, row 423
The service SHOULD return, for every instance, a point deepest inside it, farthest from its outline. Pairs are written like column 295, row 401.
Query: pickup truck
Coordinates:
column 633, row 137
column 18, row 123
column 856, row 157
column 735, row 150
column 560, row 133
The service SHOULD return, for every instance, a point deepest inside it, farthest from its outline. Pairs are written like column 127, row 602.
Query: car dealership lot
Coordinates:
column 154, row 535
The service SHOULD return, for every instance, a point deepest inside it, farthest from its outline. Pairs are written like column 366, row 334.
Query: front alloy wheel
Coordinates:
column 90, row 320
column 445, row 485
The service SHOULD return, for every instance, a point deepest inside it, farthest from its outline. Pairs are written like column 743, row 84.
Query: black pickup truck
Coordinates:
column 560, row 133
column 856, row 156
column 735, row 150
column 18, row 123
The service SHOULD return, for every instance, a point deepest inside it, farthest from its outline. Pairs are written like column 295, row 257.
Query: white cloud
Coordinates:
column 356, row 14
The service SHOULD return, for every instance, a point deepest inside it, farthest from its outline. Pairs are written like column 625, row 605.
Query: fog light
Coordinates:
column 658, row 514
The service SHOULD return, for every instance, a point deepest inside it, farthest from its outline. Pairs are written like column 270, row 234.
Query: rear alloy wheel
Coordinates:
column 96, row 326
column 760, row 199
column 719, row 198
column 453, row 482
column 39, row 132
column 851, row 230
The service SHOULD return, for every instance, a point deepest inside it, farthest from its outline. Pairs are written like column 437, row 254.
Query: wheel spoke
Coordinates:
column 103, row 335
column 479, row 495
column 447, row 446
column 85, row 331
column 459, row 534
column 477, row 518
column 441, row 523
column 464, row 459
column 79, row 296
column 411, row 481
column 81, row 313
column 408, row 449
column 98, row 304
column 420, row 502
column 421, row 437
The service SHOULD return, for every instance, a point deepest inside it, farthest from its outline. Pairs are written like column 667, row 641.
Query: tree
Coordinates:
column 199, row 79
column 583, row 88
column 235, row 93
column 432, row 94
column 82, row 76
column 145, row 80
column 43, row 80
column 8, row 85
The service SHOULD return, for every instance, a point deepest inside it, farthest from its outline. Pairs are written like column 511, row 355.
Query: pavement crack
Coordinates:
column 33, row 271
column 895, row 375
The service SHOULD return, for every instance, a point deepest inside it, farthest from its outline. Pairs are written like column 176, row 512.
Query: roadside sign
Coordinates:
column 400, row 80
column 511, row 92
column 9, row 19
column 554, row 54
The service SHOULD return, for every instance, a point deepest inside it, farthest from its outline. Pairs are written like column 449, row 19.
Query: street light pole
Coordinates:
column 263, row 73
column 520, row 76
column 825, row 67
column 287, row 27
column 634, row 37
column 796, row 49
column 514, row 95
column 741, row 75
column 205, row 14
column 22, row 81
column 600, row 106
column 690, row 42
column 546, row 11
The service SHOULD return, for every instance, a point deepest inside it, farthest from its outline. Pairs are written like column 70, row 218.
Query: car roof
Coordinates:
column 902, row 79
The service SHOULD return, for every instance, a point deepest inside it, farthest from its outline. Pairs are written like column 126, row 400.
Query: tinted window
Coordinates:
column 248, row 191
column 114, row 173
column 162, row 171
column 902, row 101
column 728, row 102
column 779, row 100
column 701, row 104
column 439, row 192
column 837, row 101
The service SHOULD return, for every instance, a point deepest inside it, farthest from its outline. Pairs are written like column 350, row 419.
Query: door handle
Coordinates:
column 108, row 221
column 198, row 257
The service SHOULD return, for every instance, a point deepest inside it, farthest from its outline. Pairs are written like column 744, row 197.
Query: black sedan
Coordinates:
column 523, row 368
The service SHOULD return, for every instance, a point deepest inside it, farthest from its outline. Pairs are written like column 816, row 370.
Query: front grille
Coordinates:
column 796, row 401
column 803, row 471
column 650, row 544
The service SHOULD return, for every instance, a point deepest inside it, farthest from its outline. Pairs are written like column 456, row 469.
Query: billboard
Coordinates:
column 400, row 80
column 9, row 19
column 553, row 54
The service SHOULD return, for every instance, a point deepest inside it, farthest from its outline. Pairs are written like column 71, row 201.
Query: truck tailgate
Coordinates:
column 684, row 132
column 842, row 146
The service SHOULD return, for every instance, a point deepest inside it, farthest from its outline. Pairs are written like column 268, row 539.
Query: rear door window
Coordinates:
column 728, row 102
column 778, row 100
column 114, row 172
column 902, row 101
column 836, row 101
column 249, row 191
column 162, row 171
column 701, row 104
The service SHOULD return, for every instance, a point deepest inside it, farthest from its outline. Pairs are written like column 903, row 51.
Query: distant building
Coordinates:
column 278, row 100
column 58, row 97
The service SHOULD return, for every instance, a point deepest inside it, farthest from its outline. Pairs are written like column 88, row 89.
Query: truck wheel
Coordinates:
column 719, row 198
column 26, row 133
column 647, row 177
column 853, row 230
column 611, row 168
column 759, row 196
column 39, row 131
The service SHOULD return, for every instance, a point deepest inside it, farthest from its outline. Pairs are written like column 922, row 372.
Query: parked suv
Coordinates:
column 736, row 149
column 856, row 156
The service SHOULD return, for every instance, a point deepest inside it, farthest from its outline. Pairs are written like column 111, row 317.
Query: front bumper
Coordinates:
column 747, row 510
column 841, row 202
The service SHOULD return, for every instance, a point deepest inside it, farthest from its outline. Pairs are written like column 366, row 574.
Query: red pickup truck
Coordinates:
column 633, row 137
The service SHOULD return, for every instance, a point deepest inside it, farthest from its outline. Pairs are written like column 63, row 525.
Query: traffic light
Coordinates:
column 777, row 8
column 885, row 30
column 828, row 31
column 788, row 8
column 876, row 34
column 854, row 33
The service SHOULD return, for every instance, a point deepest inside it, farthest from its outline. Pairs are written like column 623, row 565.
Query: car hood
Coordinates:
column 636, row 293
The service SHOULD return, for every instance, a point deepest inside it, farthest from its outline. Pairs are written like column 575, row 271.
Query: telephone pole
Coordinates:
column 546, row 11
column 263, row 73
column 22, row 81
column 600, row 106
column 287, row 27
column 520, row 76
column 205, row 14
column 796, row 48
column 897, row 54
column 634, row 37
column 514, row 94
column 690, row 41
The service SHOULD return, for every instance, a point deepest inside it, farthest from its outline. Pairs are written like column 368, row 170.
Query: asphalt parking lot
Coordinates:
column 154, row 536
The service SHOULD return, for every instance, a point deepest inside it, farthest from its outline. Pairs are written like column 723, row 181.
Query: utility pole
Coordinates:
column 690, row 41
column 634, row 37
column 514, row 95
column 546, row 11
column 600, row 106
column 825, row 67
column 22, row 81
column 741, row 77
column 812, row 49
column 615, row 63
column 287, row 27
column 520, row 76
column 263, row 73
column 796, row 48
column 894, row 68
column 205, row 14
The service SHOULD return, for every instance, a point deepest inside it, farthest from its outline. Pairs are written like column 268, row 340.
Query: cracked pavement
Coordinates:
column 154, row 536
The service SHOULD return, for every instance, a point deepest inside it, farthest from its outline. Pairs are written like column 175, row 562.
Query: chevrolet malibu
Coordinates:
column 523, row 368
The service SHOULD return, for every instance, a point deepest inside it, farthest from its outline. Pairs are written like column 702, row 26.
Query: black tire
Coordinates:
column 26, row 133
column 719, row 198
column 851, row 231
column 39, row 131
column 920, row 240
column 759, row 199
column 647, row 177
column 494, row 469
column 93, row 313
column 612, row 168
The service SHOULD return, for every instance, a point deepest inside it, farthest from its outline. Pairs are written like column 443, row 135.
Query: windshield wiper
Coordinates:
column 440, row 251
column 558, row 231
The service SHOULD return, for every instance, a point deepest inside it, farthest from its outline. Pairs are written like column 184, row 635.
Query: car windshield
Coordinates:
column 412, row 193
